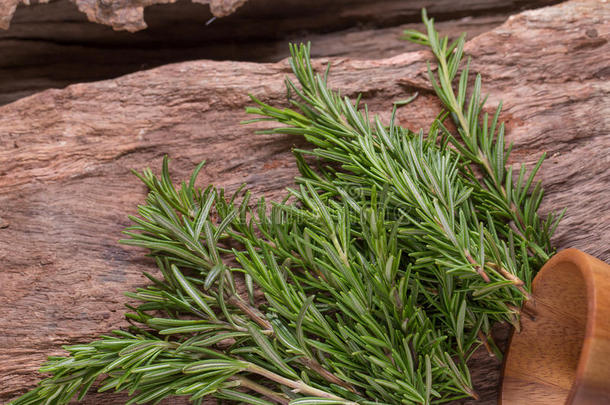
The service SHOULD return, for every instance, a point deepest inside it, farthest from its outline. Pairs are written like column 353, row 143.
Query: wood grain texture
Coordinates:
column 121, row 15
column 561, row 354
column 53, row 45
column 128, row 15
column 66, row 190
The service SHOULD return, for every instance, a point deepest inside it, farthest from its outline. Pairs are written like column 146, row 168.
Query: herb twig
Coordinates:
column 379, row 279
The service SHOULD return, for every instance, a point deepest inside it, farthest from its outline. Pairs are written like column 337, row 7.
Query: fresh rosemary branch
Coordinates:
column 481, row 141
column 374, row 284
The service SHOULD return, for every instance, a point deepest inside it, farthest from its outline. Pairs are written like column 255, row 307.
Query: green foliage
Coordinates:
column 373, row 284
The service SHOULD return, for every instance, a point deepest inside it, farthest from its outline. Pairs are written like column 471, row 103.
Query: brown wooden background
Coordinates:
column 65, row 157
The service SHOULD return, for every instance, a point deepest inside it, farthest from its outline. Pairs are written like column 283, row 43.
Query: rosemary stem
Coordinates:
column 252, row 312
column 275, row 396
column 478, row 267
column 327, row 375
column 297, row 386
column 483, row 340
column 257, row 317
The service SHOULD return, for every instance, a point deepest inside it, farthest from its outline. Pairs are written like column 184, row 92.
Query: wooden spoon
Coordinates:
column 562, row 353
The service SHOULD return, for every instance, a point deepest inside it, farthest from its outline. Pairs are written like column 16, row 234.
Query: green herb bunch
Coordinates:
column 372, row 284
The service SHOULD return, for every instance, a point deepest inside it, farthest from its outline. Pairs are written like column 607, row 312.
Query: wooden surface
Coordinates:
column 125, row 15
column 129, row 15
column 66, row 190
column 53, row 45
column 561, row 354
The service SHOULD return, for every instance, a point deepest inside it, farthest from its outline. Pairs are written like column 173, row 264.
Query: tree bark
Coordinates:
column 66, row 155
column 128, row 15
column 52, row 45
column 121, row 15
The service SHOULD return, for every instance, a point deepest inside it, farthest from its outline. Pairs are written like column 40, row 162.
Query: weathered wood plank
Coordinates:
column 52, row 45
column 129, row 15
column 65, row 186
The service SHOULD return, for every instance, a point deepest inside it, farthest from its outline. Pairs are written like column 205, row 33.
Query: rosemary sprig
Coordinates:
column 481, row 141
column 373, row 285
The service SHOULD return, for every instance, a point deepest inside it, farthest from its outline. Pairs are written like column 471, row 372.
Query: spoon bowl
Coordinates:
column 561, row 355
